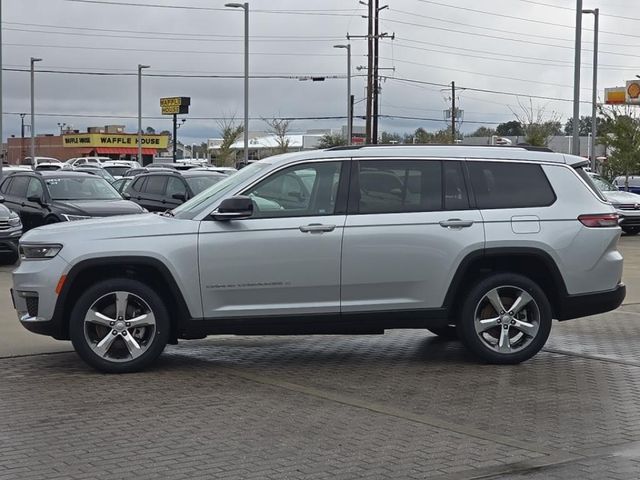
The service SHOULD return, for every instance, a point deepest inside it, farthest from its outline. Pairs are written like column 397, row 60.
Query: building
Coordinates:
column 109, row 141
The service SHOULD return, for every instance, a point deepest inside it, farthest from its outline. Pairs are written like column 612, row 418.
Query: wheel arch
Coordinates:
column 147, row 269
column 533, row 263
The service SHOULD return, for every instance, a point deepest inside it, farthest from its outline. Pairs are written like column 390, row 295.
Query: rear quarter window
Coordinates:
column 590, row 183
column 510, row 185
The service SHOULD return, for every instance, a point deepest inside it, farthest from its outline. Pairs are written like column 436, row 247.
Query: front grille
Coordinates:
column 4, row 225
column 628, row 206
column 32, row 306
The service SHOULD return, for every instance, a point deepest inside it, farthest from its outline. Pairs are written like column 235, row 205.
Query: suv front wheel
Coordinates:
column 119, row 326
column 505, row 319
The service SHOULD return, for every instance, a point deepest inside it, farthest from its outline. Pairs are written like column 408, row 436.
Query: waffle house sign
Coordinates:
column 114, row 140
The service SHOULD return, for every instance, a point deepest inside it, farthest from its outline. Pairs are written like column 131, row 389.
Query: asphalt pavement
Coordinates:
column 401, row 405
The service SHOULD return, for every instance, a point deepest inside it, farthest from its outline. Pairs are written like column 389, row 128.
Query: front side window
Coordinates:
column 19, row 187
column 35, row 188
column 5, row 186
column 301, row 190
column 155, row 184
column 510, row 185
column 175, row 186
column 395, row 186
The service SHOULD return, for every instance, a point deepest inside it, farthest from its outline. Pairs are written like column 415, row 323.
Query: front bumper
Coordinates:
column 9, row 240
column 628, row 218
column 584, row 305
column 34, row 294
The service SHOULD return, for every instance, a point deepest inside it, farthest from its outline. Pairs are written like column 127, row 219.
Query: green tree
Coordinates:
column 390, row 138
column 510, row 129
column 483, row 132
column 620, row 134
column 230, row 133
column 329, row 140
column 584, row 128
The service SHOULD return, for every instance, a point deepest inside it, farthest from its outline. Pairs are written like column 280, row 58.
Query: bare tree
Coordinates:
column 538, row 127
column 230, row 133
column 280, row 128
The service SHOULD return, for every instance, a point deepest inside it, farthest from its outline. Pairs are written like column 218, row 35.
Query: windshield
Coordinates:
column 117, row 170
column 204, row 199
column 200, row 184
column 81, row 188
column 602, row 184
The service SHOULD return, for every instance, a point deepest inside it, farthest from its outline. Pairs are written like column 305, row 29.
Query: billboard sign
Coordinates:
column 175, row 105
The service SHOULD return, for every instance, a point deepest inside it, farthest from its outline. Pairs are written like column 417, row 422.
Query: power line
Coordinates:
column 624, row 17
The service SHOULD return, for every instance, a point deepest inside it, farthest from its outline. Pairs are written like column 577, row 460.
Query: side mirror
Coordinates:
column 1, row 199
column 126, row 196
column 179, row 196
column 234, row 208
column 35, row 199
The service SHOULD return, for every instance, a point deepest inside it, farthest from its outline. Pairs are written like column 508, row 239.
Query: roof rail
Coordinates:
column 531, row 148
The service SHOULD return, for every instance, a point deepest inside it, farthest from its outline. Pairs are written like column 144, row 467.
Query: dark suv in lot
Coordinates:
column 166, row 189
column 41, row 198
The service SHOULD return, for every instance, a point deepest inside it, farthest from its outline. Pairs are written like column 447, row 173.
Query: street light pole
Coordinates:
column 33, row 115
column 245, row 6
column 349, row 110
column 594, row 93
column 140, row 67
column 575, row 142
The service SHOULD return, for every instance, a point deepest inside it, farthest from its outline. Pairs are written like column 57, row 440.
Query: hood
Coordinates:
column 96, row 208
column 4, row 212
column 621, row 197
column 104, row 229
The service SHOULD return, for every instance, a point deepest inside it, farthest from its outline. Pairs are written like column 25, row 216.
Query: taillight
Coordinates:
column 599, row 220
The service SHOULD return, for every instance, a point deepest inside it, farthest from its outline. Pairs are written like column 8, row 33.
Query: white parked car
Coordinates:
column 34, row 162
column 627, row 204
column 81, row 161
column 117, row 168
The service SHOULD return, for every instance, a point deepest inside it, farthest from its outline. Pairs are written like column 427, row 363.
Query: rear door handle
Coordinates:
column 456, row 223
column 317, row 227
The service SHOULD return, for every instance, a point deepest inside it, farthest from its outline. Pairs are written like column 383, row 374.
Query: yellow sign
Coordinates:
column 175, row 105
column 615, row 96
column 123, row 140
column 171, row 102
column 171, row 109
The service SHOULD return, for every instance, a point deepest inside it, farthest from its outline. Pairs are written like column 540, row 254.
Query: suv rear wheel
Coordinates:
column 506, row 319
column 119, row 326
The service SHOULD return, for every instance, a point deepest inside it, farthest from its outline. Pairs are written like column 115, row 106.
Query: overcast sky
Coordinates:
column 516, row 46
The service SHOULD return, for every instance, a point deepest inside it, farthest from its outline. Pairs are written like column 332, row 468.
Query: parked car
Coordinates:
column 121, row 183
column 95, row 170
column 627, row 204
column 49, row 166
column 82, row 161
column 34, row 162
column 42, row 198
column 10, row 232
column 487, row 243
column 163, row 190
column 117, row 169
column 633, row 180
column 173, row 166
column 137, row 171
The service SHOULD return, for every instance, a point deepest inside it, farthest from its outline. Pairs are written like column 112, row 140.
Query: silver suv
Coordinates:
column 487, row 244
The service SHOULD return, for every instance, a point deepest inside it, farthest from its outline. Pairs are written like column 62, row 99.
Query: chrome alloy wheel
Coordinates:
column 507, row 319
column 119, row 326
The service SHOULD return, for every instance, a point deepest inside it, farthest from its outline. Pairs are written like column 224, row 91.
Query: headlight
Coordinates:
column 39, row 251
column 71, row 218
column 14, row 220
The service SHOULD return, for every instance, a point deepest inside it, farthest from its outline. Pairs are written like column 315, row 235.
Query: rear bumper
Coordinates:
column 576, row 306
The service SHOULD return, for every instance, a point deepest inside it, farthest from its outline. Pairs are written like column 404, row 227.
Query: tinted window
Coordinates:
column 510, row 185
column 138, row 184
column 392, row 186
column 117, row 170
column 302, row 190
column 19, row 187
column 5, row 186
column 155, row 184
column 455, row 190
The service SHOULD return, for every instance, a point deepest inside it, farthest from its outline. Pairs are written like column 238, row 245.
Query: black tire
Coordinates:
column 449, row 332
column 476, row 302
column 154, row 345
column 631, row 230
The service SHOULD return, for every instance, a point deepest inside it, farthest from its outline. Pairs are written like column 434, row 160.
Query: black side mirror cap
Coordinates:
column 234, row 208
column 126, row 196
column 1, row 199
column 179, row 196
column 35, row 199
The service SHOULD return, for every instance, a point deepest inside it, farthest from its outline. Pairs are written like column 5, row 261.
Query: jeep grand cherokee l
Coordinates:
column 488, row 243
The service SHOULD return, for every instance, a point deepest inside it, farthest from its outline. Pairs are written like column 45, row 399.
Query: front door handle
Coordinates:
column 456, row 223
column 317, row 227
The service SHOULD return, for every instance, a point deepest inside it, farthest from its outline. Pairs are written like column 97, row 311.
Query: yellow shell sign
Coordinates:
column 633, row 92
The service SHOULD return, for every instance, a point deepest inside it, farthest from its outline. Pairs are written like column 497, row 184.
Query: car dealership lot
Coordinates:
column 402, row 405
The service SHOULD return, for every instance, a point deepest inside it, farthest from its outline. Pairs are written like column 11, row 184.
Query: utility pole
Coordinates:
column 594, row 93
column 453, row 112
column 575, row 143
column 22, row 125
column 140, row 67
column 376, row 24
column 370, row 87
column 33, row 109
column 175, row 135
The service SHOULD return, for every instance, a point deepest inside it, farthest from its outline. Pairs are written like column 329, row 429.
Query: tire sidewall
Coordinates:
column 76, row 325
column 466, row 323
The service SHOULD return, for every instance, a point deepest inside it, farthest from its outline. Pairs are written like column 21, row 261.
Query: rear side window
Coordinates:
column 510, row 185
column 19, row 187
column 155, row 184
column 395, row 186
column 5, row 186
column 138, row 184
